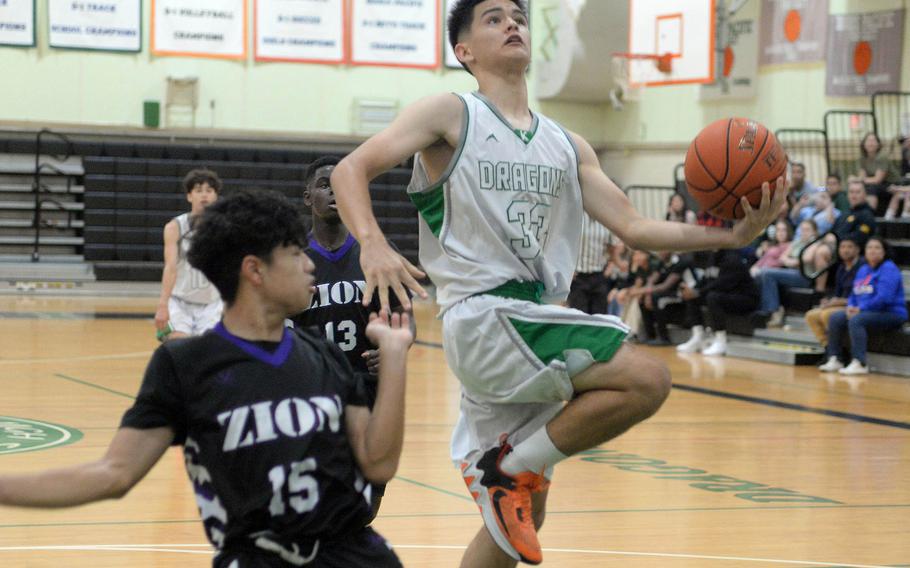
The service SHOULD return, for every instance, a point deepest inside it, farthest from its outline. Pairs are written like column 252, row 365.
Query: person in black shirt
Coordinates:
column 279, row 444
column 660, row 294
column 730, row 290
column 337, row 309
column 858, row 224
column 850, row 260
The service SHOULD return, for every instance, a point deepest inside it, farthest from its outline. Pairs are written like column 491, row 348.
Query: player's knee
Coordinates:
column 652, row 386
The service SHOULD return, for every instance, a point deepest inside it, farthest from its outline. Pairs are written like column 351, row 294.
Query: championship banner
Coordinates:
column 864, row 53
column 738, row 66
column 105, row 25
column 17, row 23
column 793, row 31
column 390, row 34
column 299, row 30
column 199, row 28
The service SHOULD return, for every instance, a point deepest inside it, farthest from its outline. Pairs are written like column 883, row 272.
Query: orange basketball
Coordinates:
column 730, row 159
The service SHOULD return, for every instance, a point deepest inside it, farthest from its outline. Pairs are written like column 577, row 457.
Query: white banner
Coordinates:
column 199, row 28
column 300, row 30
column 17, row 22
column 109, row 25
column 395, row 34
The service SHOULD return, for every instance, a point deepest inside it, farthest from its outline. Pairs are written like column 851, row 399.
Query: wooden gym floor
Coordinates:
column 747, row 465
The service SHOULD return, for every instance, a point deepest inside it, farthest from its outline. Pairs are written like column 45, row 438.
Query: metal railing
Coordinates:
column 808, row 146
column 39, row 188
column 845, row 130
column 650, row 200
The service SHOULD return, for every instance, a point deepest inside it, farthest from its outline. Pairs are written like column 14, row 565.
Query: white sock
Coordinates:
column 720, row 336
column 698, row 332
column 535, row 454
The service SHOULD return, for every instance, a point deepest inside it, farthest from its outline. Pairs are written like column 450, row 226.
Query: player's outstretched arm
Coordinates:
column 607, row 204
column 130, row 456
column 377, row 437
column 168, row 274
column 419, row 126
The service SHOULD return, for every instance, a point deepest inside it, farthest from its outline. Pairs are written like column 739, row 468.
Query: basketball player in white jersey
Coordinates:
column 189, row 304
column 501, row 191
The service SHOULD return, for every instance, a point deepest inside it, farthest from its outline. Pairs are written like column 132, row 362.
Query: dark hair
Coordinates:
column 244, row 223
column 834, row 175
column 320, row 162
column 862, row 144
column 685, row 208
column 200, row 176
column 800, row 164
column 889, row 252
column 851, row 239
column 462, row 16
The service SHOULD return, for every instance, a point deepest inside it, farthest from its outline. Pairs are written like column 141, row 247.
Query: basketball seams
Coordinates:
column 754, row 160
column 705, row 167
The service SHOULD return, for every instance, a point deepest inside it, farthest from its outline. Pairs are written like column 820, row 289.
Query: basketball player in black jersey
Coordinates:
column 278, row 440
column 337, row 309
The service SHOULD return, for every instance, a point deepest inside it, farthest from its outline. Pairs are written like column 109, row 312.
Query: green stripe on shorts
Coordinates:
column 550, row 341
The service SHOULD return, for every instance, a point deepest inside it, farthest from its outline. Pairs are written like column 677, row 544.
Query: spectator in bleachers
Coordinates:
column 821, row 210
column 623, row 300
column 873, row 168
column 859, row 223
column 900, row 191
column 678, row 210
column 877, row 303
column 729, row 290
column 588, row 292
column 617, row 270
column 771, row 280
column 835, row 187
column 663, row 291
column 799, row 186
column 850, row 260
column 770, row 253
column 189, row 304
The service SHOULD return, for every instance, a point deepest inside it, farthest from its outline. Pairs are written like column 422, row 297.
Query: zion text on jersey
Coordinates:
column 338, row 293
column 515, row 176
column 292, row 417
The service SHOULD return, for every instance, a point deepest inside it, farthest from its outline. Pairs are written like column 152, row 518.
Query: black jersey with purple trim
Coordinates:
column 337, row 308
column 264, row 437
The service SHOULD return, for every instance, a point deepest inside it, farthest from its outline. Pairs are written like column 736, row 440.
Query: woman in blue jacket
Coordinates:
column 877, row 303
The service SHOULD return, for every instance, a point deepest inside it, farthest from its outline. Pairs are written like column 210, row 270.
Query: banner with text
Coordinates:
column 395, row 33
column 199, row 28
column 738, row 67
column 793, row 31
column 106, row 25
column 864, row 53
column 299, row 30
column 17, row 22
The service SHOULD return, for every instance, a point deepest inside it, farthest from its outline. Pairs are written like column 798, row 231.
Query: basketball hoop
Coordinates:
column 624, row 90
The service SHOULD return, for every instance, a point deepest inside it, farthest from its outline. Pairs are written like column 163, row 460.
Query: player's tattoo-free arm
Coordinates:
column 419, row 126
column 169, row 274
column 608, row 205
column 130, row 456
column 377, row 437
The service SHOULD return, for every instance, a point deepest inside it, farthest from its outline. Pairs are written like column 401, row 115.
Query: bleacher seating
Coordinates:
column 132, row 189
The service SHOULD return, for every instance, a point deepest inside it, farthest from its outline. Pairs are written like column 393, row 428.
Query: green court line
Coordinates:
column 93, row 385
column 437, row 489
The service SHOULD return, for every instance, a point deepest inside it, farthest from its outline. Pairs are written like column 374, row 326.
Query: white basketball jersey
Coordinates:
column 508, row 207
column 191, row 285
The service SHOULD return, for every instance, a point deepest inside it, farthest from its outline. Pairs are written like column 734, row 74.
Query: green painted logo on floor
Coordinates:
column 24, row 435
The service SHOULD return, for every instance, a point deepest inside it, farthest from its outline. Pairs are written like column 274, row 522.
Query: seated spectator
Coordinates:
column 877, row 303
column 663, row 291
column 900, row 191
column 622, row 300
column 731, row 291
column 822, row 211
column 835, row 188
column 859, row 223
column 617, row 270
column 873, row 168
column 770, row 280
column 799, row 186
column 678, row 210
column 770, row 253
column 817, row 318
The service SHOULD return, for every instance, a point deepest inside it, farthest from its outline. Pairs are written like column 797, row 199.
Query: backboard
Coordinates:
column 682, row 28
